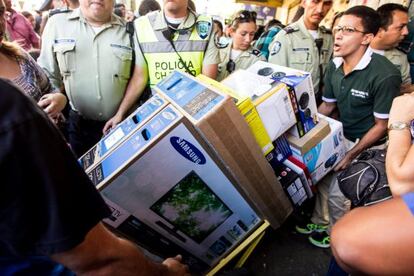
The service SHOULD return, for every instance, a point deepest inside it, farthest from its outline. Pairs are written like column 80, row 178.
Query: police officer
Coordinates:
column 239, row 54
column 89, row 52
column 304, row 45
column 394, row 20
column 177, row 38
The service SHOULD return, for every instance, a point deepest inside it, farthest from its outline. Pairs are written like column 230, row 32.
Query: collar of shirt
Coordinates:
column 362, row 64
column 379, row 52
column 161, row 24
column 77, row 14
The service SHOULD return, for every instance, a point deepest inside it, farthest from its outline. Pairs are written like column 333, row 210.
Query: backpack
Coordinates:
column 365, row 181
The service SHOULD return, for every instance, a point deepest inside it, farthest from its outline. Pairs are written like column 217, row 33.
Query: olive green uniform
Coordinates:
column 295, row 47
column 243, row 61
column 399, row 59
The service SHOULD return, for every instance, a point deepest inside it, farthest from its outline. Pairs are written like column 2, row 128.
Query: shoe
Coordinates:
column 308, row 228
column 320, row 239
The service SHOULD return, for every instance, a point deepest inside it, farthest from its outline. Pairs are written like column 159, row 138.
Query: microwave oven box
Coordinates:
column 166, row 178
column 219, row 121
column 272, row 102
column 249, row 112
column 122, row 131
column 300, row 82
column 323, row 157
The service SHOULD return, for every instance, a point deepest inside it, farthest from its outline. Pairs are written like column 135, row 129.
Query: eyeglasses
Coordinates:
column 347, row 30
column 230, row 66
column 245, row 16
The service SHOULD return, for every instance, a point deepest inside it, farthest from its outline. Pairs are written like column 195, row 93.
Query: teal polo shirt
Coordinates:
column 364, row 94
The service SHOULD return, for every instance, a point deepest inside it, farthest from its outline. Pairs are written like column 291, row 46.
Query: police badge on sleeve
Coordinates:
column 276, row 48
column 203, row 29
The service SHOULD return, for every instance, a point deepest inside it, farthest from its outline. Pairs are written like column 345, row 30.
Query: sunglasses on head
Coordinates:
column 245, row 16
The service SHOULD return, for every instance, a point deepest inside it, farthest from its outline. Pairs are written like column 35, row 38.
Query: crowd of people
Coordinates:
column 88, row 64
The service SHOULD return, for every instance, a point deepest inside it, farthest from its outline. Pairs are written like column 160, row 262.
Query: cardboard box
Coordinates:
column 310, row 139
column 324, row 156
column 306, row 181
column 292, row 184
column 301, row 83
column 272, row 102
column 169, row 183
column 122, row 131
column 249, row 112
column 217, row 118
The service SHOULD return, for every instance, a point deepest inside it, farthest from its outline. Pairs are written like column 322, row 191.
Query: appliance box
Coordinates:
column 301, row 83
column 164, row 181
column 324, row 156
column 249, row 112
column 292, row 184
column 306, row 182
column 122, row 131
column 272, row 102
column 218, row 120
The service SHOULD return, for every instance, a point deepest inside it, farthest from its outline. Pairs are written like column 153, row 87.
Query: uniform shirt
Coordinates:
column 399, row 59
column 364, row 94
column 262, row 44
column 94, row 67
column 243, row 61
column 211, row 53
column 295, row 47
column 48, row 203
column 20, row 30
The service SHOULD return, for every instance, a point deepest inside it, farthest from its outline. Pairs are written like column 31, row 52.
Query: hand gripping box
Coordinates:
column 272, row 102
column 249, row 112
column 122, row 131
column 218, row 120
column 323, row 157
column 300, row 82
column 167, row 188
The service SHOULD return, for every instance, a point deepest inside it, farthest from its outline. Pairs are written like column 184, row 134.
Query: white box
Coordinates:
column 300, row 82
column 324, row 156
column 307, row 183
column 164, row 181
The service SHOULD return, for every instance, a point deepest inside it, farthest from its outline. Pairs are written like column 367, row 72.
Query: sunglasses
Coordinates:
column 230, row 66
column 245, row 16
column 347, row 30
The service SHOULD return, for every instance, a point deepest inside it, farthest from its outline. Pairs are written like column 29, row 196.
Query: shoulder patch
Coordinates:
column 290, row 29
column 256, row 52
column 275, row 48
column 203, row 29
column 325, row 30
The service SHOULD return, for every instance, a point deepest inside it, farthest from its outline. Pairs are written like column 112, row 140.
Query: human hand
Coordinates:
column 402, row 109
column 345, row 162
column 175, row 267
column 111, row 123
column 52, row 103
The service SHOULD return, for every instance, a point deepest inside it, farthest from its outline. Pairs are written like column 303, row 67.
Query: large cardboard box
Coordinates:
column 304, row 96
column 272, row 102
column 322, row 158
column 219, row 121
column 122, row 132
column 249, row 112
column 165, row 184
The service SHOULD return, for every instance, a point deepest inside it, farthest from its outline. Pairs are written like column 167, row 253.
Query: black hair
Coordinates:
column 147, row 6
column 272, row 23
column 219, row 25
column 386, row 12
column 119, row 5
column 337, row 16
column 369, row 18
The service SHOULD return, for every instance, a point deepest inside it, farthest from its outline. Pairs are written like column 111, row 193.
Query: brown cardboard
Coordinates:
column 312, row 138
column 229, row 135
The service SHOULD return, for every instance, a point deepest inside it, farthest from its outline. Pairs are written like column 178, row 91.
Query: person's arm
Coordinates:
column 33, row 36
column 400, row 154
column 375, row 133
column 279, row 49
column 210, row 70
column 102, row 253
column 326, row 108
column 211, row 59
column 376, row 240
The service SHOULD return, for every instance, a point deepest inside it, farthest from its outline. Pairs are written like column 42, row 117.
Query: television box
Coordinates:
column 304, row 96
column 325, row 155
column 306, row 181
column 166, row 179
column 122, row 131
column 310, row 139
column 218, row 120
column 249, row 112
column 272, row 102
column 292, row 184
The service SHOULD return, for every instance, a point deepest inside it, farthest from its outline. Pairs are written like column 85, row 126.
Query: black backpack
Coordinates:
column 365, row 181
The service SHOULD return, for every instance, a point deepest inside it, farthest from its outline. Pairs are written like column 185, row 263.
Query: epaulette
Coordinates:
column 57, row 11
column 290, row 29
column 256, row 52
column 325, row 30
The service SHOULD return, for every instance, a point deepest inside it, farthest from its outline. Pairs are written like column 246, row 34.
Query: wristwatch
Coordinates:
column 398, row 126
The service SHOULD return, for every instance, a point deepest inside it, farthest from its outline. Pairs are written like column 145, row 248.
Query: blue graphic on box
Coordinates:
column 195, row 98
column 291, row 80
column 137, row 141
column 188, row 150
